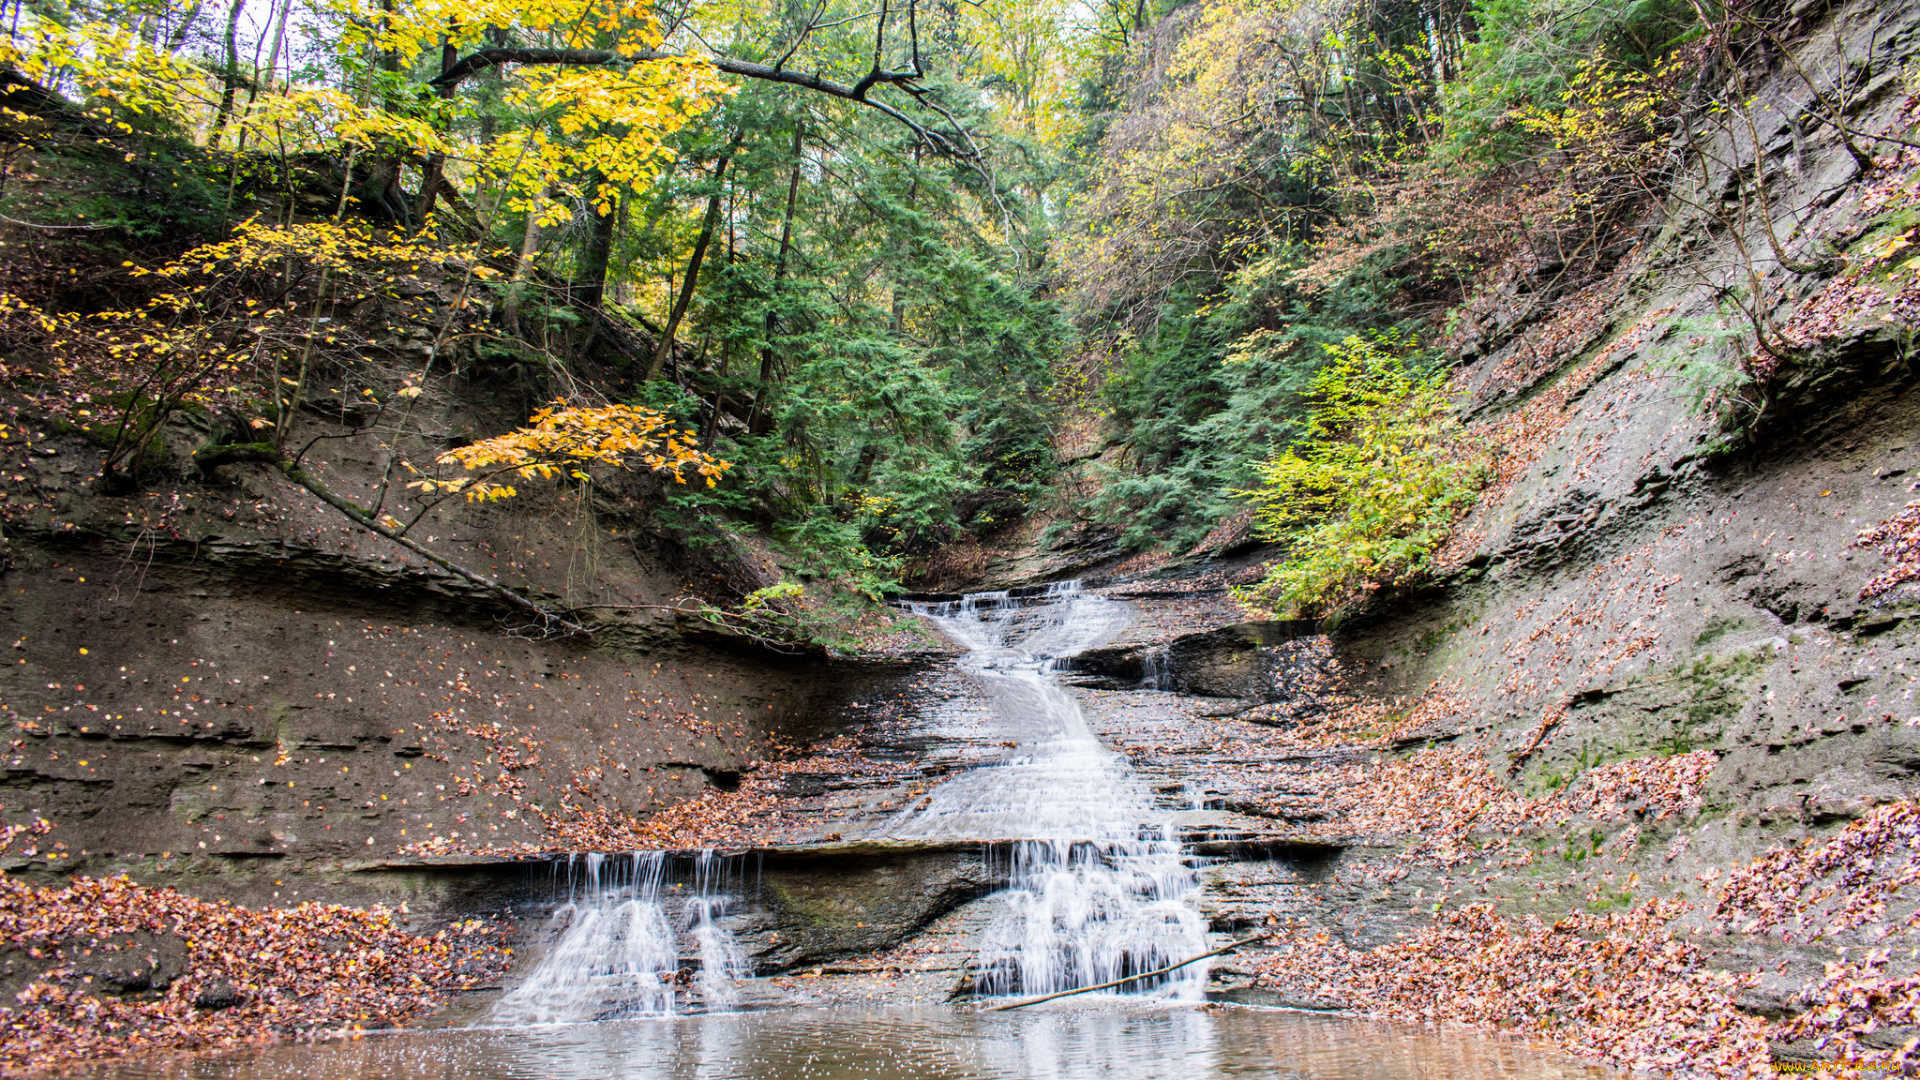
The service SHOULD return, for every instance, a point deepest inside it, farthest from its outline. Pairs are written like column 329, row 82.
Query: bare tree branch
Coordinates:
column 953, row 144
column 359, row 517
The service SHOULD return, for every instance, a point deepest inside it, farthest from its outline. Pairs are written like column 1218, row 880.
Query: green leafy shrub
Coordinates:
column 1374, row 485
column 1219, row 383
column 1527, row 54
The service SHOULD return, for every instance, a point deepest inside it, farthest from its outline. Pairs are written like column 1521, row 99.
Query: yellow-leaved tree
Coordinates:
column 343, row 227
column 559, row 441
column 1382, row 473
column 600, row 96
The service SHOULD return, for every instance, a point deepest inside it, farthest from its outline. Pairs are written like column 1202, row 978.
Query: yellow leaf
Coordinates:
column 1891, row 246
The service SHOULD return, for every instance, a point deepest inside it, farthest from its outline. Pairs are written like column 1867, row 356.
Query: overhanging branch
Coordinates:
column 359, row 516
column 948, row 144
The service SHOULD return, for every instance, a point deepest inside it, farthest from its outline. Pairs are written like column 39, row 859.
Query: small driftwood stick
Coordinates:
column 1133, row 978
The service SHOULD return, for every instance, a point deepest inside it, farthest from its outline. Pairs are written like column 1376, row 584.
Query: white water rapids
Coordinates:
column 1097, row 889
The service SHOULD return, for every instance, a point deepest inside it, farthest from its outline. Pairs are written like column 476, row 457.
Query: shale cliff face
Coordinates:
column 221, row 683
column 1654, row 651
column 1645, row 577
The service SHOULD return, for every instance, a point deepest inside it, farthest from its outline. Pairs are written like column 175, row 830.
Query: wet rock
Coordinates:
column 1270, row 998
column 129, row 980
column 857, row 899
column 216, row 996
column 1250, row 663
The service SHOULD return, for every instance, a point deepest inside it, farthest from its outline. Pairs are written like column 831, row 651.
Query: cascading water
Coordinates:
column 1156, row 669
column 1097, row 889
column 722, row 963
column 615, row 947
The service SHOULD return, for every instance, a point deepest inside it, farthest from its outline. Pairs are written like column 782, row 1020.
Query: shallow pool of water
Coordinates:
column 1062, row 1042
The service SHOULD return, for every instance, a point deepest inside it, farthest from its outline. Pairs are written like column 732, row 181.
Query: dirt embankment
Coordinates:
column 227, row 680
column 219, row 685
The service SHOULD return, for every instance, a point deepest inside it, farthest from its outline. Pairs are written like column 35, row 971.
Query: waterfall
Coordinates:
column 615, row 942
column 722, row 962
column 1097, row 888
column 1156, row 669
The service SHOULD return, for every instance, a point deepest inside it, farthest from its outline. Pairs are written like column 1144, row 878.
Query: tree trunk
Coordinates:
column 265, row 74
column 665, row 348
column 719, row 398
column 178, row 38
column 230, row 74
column 898, row 317
column 779, row 276
column 495, row 78
column 437, row 164
column 589, row 285
column 726, row 348
column 522, row 269
column 276, row 17
column 381, row 192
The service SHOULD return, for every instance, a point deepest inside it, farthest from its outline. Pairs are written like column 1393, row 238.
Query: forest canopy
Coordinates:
column 870, row 264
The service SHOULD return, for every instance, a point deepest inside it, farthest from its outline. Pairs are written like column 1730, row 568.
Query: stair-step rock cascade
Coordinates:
column 1097, row 888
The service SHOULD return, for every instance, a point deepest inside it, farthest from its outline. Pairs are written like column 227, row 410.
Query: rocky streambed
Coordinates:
column 1219, row 779
column 851, row 897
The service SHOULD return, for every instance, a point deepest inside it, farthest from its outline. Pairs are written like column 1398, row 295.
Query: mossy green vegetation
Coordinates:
column 1665, row 712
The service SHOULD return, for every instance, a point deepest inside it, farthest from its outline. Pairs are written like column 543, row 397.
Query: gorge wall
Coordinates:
column 1656, row 650
column 218, row 682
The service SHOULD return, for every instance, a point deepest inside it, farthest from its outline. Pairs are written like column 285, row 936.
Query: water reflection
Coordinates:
column 1066, row 1042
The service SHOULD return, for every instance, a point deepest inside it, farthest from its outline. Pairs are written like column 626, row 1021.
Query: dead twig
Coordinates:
column 1133, row 978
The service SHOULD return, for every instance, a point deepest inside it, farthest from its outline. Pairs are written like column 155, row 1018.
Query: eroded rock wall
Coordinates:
column 1649, row 578
column 1651, row 655
column 219, row 682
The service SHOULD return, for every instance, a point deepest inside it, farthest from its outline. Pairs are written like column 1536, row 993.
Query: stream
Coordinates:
column 1097, row 889
column 1055, row 1042
column 638, row 975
